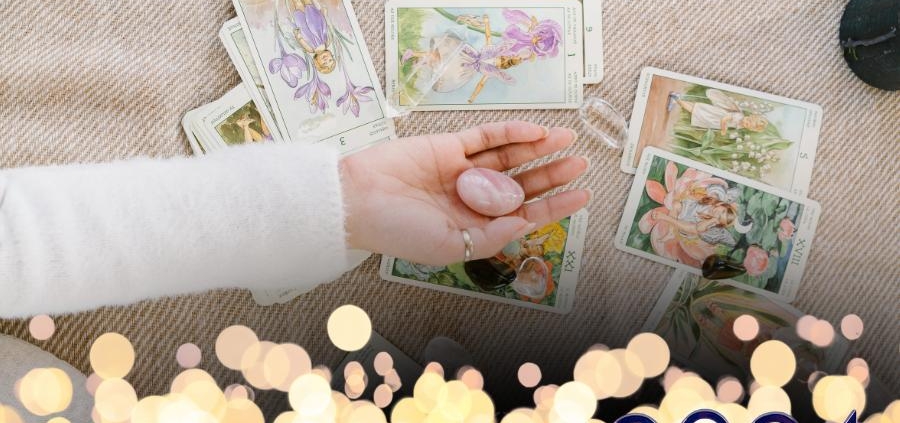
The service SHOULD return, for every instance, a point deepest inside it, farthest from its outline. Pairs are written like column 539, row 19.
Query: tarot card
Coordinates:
column 235, row 41
column 232, row 120
column 266, row 298
column 681, row 212
column 405, row 370
column 188, row 122
column 593, row 41
column 696, row 318
column 317, row 71
column 556, row 249
column 484, row 55
column 760, row 136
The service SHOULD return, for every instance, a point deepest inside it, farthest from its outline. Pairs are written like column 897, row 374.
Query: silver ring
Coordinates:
column 470, row 247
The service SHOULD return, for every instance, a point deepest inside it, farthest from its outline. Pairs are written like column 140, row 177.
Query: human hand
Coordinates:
column 401, row 196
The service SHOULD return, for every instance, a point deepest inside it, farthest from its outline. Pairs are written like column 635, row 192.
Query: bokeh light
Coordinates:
column 852, row 327
column 349, row 328
column 729, row 389
column 383, row 396
column 599, row 370
column 574, row 402
column 805, row 325
column 114, row 400
column 814, row 378
column 746, row 328
column 773, row 363
column 529, row 375
column 41, row 327
column 821, row 334
column 92, row 382
column 652, row 351
column 632, row 371
column 232, row 343
column 435, row 367
column 188, row 356
column 471, row 377
column 858, row 369
column 392, row 379
column 9, row 415
column 834, row 397
column 45, row 391
column 769, row 398
column 672, row 374
column 599, row 374
column 112, row 356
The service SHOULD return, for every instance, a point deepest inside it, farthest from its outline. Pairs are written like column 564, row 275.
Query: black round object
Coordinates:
column 870, row 38
column 490, row 274
column 721, row 267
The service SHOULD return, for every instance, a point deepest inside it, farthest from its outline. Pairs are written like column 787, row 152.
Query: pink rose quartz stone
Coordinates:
column 489, row 192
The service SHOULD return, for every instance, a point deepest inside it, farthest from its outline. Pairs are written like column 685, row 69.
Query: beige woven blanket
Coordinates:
column 91, row 81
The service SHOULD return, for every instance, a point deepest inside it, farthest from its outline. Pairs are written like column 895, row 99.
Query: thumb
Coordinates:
column 487, row 241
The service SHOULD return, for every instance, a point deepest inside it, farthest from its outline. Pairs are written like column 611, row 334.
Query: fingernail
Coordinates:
column 529, row 228
column 546, row 131
column 590, row 194
column 574, row 134
column 587, row 162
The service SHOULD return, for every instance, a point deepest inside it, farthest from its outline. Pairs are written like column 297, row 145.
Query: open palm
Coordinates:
column 402, row 200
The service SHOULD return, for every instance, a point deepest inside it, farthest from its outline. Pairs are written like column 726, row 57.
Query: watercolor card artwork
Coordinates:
column 682, row 213
column 478, row 55
column 317, row 71
column 760, row 136
column 234, row 39
column 697, row 318
column 539, row 271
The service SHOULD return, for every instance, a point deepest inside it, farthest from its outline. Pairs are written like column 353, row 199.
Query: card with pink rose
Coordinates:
column 696, row 217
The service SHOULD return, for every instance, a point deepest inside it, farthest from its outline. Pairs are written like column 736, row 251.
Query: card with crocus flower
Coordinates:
column 682, row 213
column 317, row 71
column 477, row 55
column 539, row 271
column 697, row 318
column 764, row 137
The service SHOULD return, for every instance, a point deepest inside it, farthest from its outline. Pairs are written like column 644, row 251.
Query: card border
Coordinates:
column 392, row 65
column 389, row 131
column 226, row 35
column 806, row 227
column 803, row 167
column 566, row 286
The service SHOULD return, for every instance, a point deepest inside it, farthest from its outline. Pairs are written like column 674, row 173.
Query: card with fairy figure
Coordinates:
column 539, row 271
column 760, row 136
column 697, row 316
column 682, row 213
column 316, row 71
column 234, row 39
column 484, row 55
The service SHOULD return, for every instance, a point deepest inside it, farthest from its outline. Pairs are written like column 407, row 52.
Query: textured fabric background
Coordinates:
column 92, row 81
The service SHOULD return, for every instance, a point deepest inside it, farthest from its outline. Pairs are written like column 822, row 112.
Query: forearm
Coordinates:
column 77, row 237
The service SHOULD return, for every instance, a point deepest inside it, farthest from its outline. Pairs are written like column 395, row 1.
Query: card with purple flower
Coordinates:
column 317, row 71
column 484, row 55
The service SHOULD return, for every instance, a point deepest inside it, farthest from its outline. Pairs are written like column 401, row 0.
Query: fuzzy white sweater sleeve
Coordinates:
column 77, row 237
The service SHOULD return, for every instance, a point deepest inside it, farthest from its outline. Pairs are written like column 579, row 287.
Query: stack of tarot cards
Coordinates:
column 307, row 76
column 721, row 179
column 721, row 176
